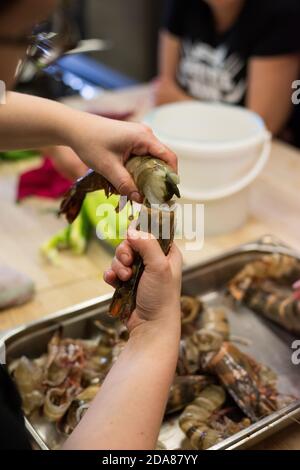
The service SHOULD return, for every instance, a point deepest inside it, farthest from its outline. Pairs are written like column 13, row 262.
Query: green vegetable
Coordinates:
column 79, row 233
column 110, row 225
column 18, row 155
column 58, row 242
column 97, row 214
column 74, row 237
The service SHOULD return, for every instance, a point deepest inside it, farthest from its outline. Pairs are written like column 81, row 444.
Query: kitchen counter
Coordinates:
column 275, row 209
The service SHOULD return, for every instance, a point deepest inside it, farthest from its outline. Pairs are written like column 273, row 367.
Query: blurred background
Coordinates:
column 132, row 26
column 129, row 53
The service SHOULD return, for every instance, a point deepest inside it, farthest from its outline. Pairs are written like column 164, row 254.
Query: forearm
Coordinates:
column 167, row 91
column 270, row 87
column 31, row 122
column 275, row 120
column 128, row 411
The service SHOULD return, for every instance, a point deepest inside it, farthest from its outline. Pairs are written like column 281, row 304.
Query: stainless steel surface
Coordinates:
column 267, row 343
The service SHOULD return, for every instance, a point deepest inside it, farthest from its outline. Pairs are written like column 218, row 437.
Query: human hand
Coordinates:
column 105, row 145
column 66, row 162
column 158, row 294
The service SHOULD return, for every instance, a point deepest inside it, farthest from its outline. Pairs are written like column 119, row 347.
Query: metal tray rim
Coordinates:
column 63, row 313
column 285, row 416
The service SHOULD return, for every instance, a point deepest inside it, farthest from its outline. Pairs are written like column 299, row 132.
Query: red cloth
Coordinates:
column 44, row 181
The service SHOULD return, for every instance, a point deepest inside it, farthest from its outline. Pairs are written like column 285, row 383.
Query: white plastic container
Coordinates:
column 217, row 144
column 221, row 150
column 225, row 210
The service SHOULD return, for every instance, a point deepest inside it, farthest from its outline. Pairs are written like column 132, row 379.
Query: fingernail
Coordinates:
column 105, row 274
column 136, row 197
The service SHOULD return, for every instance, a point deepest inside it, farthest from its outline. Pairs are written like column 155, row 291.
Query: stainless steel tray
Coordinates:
column 269, row 344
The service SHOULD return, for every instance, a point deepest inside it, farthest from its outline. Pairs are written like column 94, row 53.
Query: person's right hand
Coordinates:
column 105, row 145
column 158, row 295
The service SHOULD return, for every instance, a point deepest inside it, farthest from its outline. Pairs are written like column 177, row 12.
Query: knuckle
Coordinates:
column 146, row 129
column 120, row 249
column 152, row 237
column 146, row 238
column 113, row 264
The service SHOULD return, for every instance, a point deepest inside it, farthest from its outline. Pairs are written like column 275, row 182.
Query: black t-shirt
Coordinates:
column 213, row 66
column 13, row 435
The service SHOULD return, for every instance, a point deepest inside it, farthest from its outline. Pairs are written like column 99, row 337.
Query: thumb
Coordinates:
column 175, row 258
column 148, row 248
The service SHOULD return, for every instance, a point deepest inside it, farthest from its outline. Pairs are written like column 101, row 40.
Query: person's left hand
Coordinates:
column 66, row 162
column 158, row 293
column 105, row 145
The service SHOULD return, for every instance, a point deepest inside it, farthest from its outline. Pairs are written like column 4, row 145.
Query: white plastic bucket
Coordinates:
column 216, row 144
column 227, row 210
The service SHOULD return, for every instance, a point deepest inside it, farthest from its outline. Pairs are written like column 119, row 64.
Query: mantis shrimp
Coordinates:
column 185, row 389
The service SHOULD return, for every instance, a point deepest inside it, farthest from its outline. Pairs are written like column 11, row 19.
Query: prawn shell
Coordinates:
column 77, row 408
column 28, row 375
column 275, row 266
column 190, row 309
column 195, row 350
column 195, row 419
column 215, row 319
column 275, row 303
column 185, row 389
column 202, row 437
column 154, row 178
column 73, row 199
column 237, row 374
column 57, row 401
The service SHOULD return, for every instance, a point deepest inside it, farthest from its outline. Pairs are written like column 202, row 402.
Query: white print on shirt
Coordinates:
column 209, row 74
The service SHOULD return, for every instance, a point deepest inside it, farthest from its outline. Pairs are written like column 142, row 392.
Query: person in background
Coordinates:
column 241, row 52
